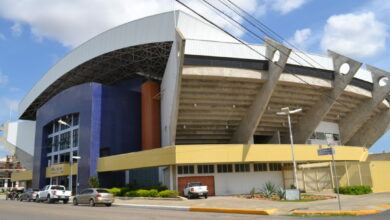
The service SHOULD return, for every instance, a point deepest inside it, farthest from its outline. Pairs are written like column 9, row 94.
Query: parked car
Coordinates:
column 53, row 193
column 29, row 195
column 195, row 190
column 93, row 196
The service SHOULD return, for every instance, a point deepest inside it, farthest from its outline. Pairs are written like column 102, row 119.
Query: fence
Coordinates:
column 318, row 177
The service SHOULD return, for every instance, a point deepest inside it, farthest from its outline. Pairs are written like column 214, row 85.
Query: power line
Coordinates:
column 272, row 32
column 244, row 43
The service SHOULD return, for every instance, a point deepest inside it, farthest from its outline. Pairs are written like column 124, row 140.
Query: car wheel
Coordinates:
column 205, row 196
column 48, row 200
column 37, row 200
column 65, row 201
column 108, row 204
column 91, row 203
column 75, row 202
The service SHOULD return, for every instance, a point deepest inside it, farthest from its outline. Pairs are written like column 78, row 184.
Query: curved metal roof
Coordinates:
column 142, row 47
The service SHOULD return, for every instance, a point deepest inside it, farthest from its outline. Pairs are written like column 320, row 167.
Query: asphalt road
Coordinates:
column 15, row 210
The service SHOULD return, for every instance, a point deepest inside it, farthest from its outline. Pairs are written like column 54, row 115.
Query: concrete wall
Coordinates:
column 240, row 182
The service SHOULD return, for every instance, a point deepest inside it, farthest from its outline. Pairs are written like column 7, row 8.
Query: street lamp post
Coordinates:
column 288, row 112
column 71, row 173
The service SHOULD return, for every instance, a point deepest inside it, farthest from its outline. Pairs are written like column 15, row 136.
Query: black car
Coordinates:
column 29, row 195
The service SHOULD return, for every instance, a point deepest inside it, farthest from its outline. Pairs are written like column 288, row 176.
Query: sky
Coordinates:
column 35, row 34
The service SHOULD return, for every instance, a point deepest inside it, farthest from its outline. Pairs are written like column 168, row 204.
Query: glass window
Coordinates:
column 75, row 119
column 186, row 169
column 225, row 168
column 56, row 127
column 55, row 159
column 65, row 140
column 275, row 166
column 258, row 167
column 320, row 136
column 75, row 138
column 243, row 167
column 65, row 157
column 205, row 168
column 49, row 144
column 336, row 137
column 55, row 143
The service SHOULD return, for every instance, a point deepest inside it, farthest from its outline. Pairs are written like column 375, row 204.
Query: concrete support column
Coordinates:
column 372, row 130
column 307, row 125
column 350, row 124
column 170, row 91
column 250, row 121
column 151, row 123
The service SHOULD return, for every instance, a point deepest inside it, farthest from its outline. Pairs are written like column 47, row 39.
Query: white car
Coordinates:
column 53, row 193
column 195, row 190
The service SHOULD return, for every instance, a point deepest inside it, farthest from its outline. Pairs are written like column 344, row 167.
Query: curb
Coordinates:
column 235, row 211
column 357, row 212
column 201, row 209
column 161, row 207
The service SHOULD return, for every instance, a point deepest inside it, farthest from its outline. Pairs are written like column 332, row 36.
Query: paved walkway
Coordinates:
column 348, row 202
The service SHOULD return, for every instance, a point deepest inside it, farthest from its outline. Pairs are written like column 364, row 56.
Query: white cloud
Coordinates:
column 286, row 6
column 3, row 79
column 72, row 22
column 17, row 29
column 301, row 38
column 357, row 34
column 2, row 37
column 9, row 108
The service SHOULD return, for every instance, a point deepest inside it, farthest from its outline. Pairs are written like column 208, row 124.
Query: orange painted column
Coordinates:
column 150, row 113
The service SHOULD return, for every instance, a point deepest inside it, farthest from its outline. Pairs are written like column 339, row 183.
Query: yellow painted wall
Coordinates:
column 380, row 176
column 21, row 176
column 229, row 153
column 148, row 158
column 235, row 153
column 62, row 169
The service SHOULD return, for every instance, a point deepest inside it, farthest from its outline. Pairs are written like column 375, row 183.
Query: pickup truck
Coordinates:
column 53, row 193
column 195, row 189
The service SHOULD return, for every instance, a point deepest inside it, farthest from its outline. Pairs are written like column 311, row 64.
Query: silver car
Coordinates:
column 29, row 195
column 93, row 196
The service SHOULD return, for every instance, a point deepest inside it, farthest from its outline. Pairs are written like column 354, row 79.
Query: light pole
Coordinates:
column 71, row 173
column 288, row 112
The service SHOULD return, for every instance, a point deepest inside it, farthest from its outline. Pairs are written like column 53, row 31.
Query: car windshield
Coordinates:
column 195, row 184
column 102, row 191
column 58, row 188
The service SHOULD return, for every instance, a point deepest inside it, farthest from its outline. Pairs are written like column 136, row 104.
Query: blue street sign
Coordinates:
column 326, row 151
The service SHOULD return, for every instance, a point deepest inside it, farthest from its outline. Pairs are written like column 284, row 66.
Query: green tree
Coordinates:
column 93, row 182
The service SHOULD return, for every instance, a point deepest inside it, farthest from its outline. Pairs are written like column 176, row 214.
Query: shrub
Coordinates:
column 281, row 193
column 252, row 192
column 124, row 190
column 268, row 190
column 354, row 190
column 115, row 191
column 168, row 194
column 158, row 188
column 131, row 193
column 93, row 182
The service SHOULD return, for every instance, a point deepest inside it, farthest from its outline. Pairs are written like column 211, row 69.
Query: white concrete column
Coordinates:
column 307, row 124
column 350, row 124
column 250, row 121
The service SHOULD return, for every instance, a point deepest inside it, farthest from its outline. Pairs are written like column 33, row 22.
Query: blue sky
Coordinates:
column 34, row 34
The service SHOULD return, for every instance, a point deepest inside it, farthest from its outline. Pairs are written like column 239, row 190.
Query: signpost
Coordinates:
column 331, row 151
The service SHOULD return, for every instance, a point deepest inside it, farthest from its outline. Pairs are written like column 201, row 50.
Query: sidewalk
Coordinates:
column 349, row 203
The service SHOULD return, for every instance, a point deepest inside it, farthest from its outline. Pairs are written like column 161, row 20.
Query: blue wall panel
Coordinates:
column 110, row 118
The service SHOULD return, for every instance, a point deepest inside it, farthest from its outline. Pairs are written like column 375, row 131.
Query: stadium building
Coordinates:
column 169, row 98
